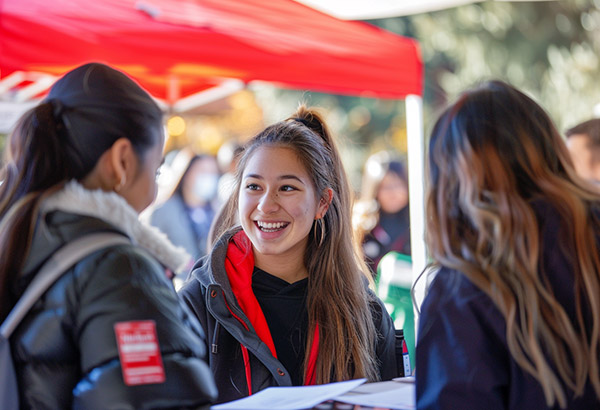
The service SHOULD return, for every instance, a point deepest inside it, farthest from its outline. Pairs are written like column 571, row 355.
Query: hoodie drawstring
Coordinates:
column 214, row 348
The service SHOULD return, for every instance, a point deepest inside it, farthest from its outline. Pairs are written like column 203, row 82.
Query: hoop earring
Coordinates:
column 121, row 184
column 319, row 223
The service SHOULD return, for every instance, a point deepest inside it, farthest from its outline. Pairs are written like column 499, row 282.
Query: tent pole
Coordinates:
column 225, row 89
column 416, row 185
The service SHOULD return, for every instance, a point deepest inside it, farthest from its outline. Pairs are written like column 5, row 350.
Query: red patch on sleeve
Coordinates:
column 139, row 353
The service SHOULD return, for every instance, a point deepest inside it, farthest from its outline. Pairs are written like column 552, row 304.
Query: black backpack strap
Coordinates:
column 53, row 269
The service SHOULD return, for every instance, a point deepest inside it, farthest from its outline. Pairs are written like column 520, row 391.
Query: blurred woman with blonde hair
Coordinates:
column 512, row 318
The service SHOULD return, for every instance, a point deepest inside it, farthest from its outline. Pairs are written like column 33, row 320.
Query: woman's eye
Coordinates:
column 287, row 188
column 252, row 187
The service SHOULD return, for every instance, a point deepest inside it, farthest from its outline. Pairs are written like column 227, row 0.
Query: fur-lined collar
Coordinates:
column 114, row 209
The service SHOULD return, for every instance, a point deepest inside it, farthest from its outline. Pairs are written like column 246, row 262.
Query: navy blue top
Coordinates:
column 463, row 361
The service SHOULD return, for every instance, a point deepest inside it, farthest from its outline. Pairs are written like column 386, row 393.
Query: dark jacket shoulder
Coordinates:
column 79, row 364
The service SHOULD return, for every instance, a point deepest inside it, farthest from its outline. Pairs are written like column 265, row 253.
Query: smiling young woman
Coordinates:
column 283, row 294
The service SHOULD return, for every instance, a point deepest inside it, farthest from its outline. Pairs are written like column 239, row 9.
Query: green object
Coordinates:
column 393, row 284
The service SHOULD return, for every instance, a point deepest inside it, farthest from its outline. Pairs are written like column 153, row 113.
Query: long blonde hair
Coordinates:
column 338, row 299
column 494, row 155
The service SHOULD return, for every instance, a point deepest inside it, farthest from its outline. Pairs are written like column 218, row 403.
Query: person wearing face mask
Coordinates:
column 185, row 217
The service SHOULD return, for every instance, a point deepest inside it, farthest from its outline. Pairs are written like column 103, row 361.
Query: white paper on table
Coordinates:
column 391, row 395
column 290, row 398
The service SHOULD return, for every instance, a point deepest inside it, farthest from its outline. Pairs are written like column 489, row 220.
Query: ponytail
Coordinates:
column 62, row 139
column 34, row 161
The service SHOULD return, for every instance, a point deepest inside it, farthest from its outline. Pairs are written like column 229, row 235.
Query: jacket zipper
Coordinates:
column 245, row 353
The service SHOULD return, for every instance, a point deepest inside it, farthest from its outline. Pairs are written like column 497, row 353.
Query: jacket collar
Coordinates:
column 211, row 268
column 114, row 209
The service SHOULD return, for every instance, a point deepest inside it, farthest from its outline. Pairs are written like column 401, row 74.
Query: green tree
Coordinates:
column 548, row 49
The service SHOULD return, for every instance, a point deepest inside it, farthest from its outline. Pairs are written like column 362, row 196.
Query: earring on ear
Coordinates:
column 319, row 224
column 121, row 183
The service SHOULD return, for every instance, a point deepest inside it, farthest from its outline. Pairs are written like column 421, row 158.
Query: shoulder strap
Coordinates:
column 53, row 269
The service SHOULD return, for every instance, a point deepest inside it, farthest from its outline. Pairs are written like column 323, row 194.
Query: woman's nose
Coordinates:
column 268, row 202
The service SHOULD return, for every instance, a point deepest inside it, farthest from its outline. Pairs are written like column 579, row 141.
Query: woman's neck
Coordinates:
column 290, row 269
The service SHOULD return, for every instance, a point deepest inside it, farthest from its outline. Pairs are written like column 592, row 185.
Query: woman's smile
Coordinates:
column 278, row 204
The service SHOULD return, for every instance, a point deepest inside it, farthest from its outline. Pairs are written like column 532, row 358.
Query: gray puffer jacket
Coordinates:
column 65, row 350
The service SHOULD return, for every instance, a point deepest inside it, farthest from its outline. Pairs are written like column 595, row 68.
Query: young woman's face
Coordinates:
column 142, row 191
column 393, row 193
column 278, row 203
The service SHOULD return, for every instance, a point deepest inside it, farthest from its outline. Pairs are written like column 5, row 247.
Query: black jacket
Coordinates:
column 65, row 350
column 208, row 293
column 463, row 359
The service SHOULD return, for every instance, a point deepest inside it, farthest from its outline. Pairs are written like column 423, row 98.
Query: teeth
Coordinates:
column 271, row 225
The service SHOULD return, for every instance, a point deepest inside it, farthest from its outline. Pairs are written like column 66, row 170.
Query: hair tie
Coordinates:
column 301, row 121
column 62, row 123
column 57, row 108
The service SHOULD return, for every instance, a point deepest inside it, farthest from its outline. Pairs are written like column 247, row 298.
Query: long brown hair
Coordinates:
column 493, row 156
column 336, row 271
column 62, row 139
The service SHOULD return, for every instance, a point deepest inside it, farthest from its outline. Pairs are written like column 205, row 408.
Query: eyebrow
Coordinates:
column 279, row 178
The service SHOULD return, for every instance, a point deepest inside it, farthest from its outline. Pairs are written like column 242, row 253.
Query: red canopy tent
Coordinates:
column 175, row 48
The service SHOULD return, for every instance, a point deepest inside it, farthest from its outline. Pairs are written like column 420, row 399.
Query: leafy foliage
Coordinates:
column 549, row 49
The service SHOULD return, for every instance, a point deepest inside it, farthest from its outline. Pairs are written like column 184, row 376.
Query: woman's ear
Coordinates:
column 123, row 161
column 324, row 203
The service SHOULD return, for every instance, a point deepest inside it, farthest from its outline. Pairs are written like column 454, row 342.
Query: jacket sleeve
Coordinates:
column 127, row 285
column 192, row 295
column 462, row 362
column 386, row 340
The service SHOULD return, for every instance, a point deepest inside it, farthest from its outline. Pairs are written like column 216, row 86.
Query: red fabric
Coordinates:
column 239, row 264
column 311, row 376
column 247, row 369
column 175, row 48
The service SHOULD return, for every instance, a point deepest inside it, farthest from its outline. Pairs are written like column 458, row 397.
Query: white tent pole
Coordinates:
column 225, row 89
column 416, row 189
column 11, row 81
column 41, row 84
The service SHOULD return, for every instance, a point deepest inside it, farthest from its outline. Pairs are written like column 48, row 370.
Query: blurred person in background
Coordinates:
column 85, row 161
column 187, row 214
column 284, row 293
column 381, row 215
column 228, row 157
column 512, row 318
column 583, row 141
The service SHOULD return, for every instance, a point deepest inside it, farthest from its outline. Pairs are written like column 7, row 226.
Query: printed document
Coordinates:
column 290, row 398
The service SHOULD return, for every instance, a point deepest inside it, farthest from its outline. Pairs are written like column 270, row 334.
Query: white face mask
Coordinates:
column 205, row 186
